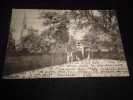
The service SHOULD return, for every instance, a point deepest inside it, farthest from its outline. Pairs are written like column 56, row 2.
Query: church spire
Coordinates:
column 24, row 26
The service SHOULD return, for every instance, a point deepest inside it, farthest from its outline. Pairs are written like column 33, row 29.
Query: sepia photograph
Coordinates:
column 48, row 43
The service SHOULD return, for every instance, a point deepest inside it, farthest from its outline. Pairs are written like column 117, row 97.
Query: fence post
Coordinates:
column 51, row 56
column 61, row 57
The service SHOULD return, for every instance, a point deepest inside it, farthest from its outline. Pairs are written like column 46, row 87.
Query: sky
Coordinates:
column 32, row 16
column 32, row 20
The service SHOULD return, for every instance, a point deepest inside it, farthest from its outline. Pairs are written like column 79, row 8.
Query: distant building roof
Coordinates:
column 31, row 30
column 88, row 45
column 85, row 43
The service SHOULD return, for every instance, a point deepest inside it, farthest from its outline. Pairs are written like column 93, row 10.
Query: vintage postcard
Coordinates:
column 64, row 44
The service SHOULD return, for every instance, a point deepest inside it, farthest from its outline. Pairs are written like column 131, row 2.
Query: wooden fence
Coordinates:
column 19, row 63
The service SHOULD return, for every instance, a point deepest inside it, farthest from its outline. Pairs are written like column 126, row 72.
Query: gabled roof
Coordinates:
column 85, row 43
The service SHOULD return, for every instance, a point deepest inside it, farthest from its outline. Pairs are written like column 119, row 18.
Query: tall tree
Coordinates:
column 57, row 34
column 33, row 43
column 104, row 26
